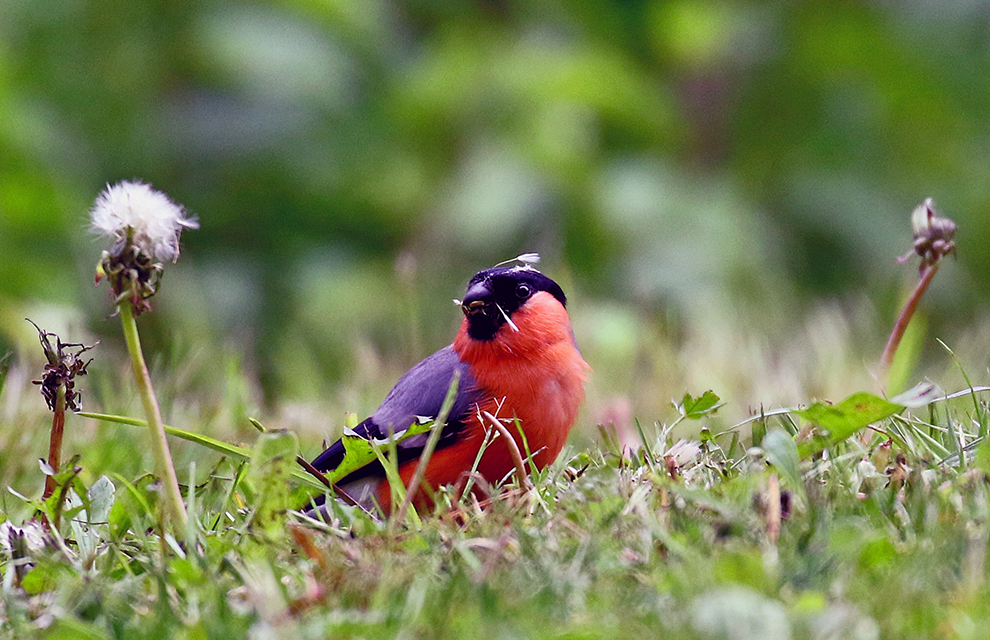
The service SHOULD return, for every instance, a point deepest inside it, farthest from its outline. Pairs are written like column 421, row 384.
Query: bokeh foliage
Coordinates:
column 687, row 169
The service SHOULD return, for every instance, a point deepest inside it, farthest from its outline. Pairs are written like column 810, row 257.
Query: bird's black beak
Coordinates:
column 476, row 299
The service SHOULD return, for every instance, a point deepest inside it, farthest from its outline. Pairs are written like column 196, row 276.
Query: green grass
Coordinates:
column 884, row 536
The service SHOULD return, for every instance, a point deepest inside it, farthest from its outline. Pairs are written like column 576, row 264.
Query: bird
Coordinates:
column 516, row 358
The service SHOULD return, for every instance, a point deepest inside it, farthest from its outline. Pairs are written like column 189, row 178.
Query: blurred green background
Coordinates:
column 722, row 189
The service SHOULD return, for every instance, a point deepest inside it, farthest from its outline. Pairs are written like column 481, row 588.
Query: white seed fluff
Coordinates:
column 156, row 220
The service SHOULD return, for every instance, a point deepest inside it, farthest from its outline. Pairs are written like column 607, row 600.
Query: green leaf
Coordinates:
column 95, row 511
column 908, row 353
column 782, row 453
column 43, row 577
column 101, row 497
column 238, row 453
column 4, row 367
column 982, row 458
column 137, row 495
column 695, row 408
column 839, row 421
column 758, row 432
column 68, row 628
column 232, row 451
column 359, row 451
column 272, row 461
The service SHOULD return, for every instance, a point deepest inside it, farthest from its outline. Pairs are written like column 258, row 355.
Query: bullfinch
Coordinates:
column 518, row 361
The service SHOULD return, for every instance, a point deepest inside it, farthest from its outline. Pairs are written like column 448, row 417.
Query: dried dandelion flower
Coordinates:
column 64, row 364
column 133, row 212
column 145, row 227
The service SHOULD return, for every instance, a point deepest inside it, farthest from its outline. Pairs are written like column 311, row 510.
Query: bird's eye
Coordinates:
column 523, row 291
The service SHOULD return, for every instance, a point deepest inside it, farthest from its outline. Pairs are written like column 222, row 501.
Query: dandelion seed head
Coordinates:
column 155, row 221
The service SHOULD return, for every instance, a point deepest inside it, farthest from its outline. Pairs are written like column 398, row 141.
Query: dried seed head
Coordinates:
column 134, row 213
column 932, row 233
column 145, row 226
column 64, row 364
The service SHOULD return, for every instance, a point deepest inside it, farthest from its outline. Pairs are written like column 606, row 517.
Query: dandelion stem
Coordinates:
column 905, row 318
column 55, row 444
column 174, row 508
